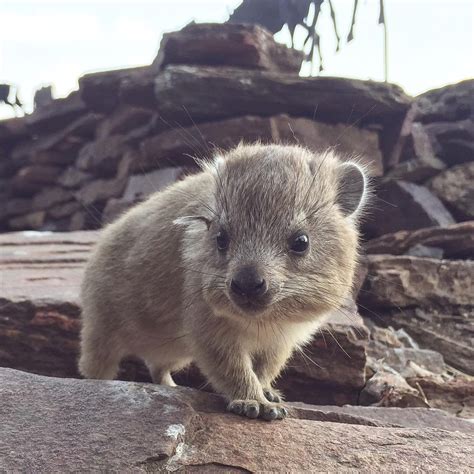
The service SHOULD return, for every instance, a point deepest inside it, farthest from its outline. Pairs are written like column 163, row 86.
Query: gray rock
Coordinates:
column 73, row 177
column 56, row 115
column 400, row 205
column 455, row 187
column 432, row 300
column 419, row 161
column 100, row 91
column 420, row 250
column 123, row 120
column 33, row 178
column 456, row 241
column 102, row 156
column 139, row 187
column 450, row 103
column 454, row 141
column 417, row 170
column 32, row 220
column 50, row 196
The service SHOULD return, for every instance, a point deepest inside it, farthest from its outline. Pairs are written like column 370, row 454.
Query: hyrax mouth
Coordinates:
column 249, row 306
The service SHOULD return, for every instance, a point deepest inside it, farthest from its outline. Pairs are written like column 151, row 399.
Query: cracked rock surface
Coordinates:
column 70, row 425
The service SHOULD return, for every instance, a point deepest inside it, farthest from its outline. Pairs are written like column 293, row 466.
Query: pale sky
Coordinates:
column 430, row 42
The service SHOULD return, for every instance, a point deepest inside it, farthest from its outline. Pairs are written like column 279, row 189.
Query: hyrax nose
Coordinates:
column 248, row 282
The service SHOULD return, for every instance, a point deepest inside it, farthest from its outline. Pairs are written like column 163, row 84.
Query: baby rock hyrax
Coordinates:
column 232, row 268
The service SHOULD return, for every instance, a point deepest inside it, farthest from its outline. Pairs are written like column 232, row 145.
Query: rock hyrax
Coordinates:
column 232, row 268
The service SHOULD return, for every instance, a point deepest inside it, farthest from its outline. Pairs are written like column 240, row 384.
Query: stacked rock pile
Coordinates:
column 77, row 162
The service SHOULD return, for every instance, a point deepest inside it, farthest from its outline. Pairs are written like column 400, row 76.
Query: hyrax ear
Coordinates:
column 352, row 187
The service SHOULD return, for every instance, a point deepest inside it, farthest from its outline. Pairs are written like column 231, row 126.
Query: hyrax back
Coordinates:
column 232, row 268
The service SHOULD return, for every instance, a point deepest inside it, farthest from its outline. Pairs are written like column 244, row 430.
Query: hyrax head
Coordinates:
column 276, row 236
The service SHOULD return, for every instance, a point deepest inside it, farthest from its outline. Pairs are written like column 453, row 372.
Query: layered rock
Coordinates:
column 431, row 299
column 205, row 93
column 226, row 78
column 142, row 427
column 454, row 241
column 179, row 146
column 243, row 46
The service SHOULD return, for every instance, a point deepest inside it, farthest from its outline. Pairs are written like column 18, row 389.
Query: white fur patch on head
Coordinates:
column 192, row 223
column 219, row 161
column 214, row 166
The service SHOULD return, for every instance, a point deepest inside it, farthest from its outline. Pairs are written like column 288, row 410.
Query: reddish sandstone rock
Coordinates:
column 123, row 426
column 208, row 93
column 244, row 46
column 178, row 146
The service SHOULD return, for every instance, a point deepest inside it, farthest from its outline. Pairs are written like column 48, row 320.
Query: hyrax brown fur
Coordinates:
column 232, row 268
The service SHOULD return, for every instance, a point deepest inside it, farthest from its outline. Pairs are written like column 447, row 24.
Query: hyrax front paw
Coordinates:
column 254, row 409
column 272, row 395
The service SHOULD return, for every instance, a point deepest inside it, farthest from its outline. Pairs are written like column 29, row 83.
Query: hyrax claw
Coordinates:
column 254, row 409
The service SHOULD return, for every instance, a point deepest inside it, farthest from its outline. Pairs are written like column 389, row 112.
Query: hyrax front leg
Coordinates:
column 230, row 372
column 267, row 366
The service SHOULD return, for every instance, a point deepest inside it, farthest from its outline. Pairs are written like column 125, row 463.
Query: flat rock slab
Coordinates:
column 246, row 46
column 76, row 425
column 43, row 266
column 455, row 241
column 101, row 91
column 200, row 93
column 406, row 417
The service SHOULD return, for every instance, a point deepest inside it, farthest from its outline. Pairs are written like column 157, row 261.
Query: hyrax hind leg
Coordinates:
column 161, row 376
column 161, row 373
column 100, row 356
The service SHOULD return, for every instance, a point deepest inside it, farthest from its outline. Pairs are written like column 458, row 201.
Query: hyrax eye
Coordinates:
column 299, row 243
column 222, row 240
